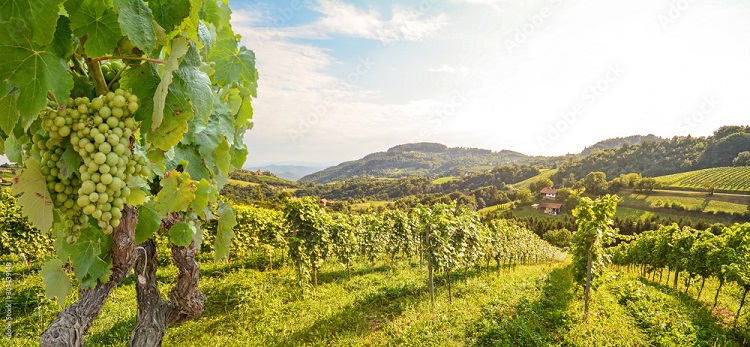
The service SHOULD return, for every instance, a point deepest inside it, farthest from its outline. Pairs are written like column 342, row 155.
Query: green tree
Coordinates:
column 108, row 105
column 742, row 159
column 594, row 219
column 524, row 196
column 540, row 184
column 558, row 237
column 595, row 182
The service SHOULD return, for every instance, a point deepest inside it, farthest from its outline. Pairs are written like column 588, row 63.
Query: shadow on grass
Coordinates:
column 341, row 275
column 528, row 323
column 708, row 325
column 361, row 317
column 118, row 334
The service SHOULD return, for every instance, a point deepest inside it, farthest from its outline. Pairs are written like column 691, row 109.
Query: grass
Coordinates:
column 702, row 202
column 384, row 305
column 525, row 184
column 369, row 204
column 242, row 183
column 442, row 180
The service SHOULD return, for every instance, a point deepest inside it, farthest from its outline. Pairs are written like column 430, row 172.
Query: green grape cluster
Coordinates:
column 100, row 131
column 110, row 69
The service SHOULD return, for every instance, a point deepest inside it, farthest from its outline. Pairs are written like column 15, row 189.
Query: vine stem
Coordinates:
column 130, row 58
column 100, row 84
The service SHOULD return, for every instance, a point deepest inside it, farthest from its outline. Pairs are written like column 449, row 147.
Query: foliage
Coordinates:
column 657, row 158
column 742, row 159
column 91, row 89
column 540, row 184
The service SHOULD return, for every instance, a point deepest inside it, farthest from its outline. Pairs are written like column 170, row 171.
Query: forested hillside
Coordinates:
column 619, row 141
column 419, row 159
column 650, row 158
column 490, row 182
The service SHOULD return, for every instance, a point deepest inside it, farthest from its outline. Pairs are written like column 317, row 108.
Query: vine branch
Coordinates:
column 130, row 58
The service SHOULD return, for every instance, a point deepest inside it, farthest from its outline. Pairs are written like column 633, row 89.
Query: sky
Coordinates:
column 342, row 79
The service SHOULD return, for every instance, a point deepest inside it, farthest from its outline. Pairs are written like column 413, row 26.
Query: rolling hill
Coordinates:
column 723, row 179
column 419, row 159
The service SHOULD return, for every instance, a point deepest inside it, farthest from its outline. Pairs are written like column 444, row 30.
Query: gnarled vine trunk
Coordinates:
column 186, row 301
column 71, row 325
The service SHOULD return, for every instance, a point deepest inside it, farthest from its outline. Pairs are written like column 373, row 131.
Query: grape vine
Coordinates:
column 127, row 117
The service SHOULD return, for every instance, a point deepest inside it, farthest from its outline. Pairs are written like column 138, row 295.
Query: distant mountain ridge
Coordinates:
column 289, row 172
column 418, row 159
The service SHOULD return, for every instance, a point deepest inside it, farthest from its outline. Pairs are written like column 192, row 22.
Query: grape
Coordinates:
column 100, row 131
column 100, row 158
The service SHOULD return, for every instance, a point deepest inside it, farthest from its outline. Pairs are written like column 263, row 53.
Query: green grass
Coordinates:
column 692, row 202
column 525, row 184
column 442, row 180
column 390, row 306
column 730, row 179
column 242, row 183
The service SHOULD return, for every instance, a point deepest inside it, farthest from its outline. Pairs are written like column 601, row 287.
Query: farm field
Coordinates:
column 703, row 202
column 442, row 180
column 242, row 183
column 547, row 173
column 729, row 179
column 385, row 305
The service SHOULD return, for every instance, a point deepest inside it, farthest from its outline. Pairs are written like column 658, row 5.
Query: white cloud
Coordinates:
column 405, row 24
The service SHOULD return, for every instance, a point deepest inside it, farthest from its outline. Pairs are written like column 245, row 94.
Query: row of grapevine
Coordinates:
column 444, row 235
column 722, row 178
column 700, row 254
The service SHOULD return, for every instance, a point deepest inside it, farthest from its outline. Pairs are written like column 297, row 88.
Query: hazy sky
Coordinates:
column 341, row 79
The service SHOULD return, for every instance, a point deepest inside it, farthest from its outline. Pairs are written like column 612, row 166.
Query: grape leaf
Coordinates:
column 238, row 155
column 196, row 167
column 41, row 16
column 210, row 12
column 85, row 255
column 13, row 149
column 234, row 65
column 56, row 281
column 203, row 194
column 198, row 237
column 8, row 109
column 197, row 86
column 98, row 21
column 169, row 13
column 177, row 191
column 244, row 114
column 62, row 44
column 148, row 223
column 70, row 160
column 135, row 20
column 181, row 234
column 189, row 26
column 177, row 113
column 34, row 200
column 223, row 158
column 138, row 188
column 224, row 232
column 32, row 68
column 179, row 48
